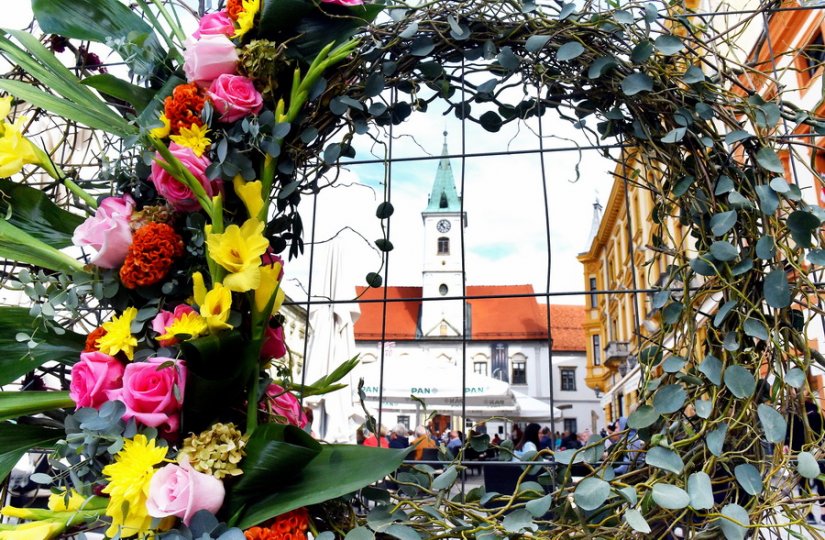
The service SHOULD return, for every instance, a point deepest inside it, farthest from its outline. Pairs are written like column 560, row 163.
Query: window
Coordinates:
column 597, row 349
column 443, row 246
column 403, row 419
column 568, row 379
column 570, row 425
column 813, row 55
column 594, row 298
column 480, row 368
column 519, row 373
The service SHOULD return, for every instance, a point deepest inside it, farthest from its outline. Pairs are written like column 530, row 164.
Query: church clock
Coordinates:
column 443, row 226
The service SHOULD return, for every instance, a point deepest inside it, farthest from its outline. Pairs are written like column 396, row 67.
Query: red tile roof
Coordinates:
column 509, row 317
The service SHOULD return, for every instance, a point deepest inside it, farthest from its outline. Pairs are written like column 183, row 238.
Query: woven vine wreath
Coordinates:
column 685, row 125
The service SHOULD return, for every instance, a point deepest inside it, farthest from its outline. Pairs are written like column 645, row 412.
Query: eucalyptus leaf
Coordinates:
column 693, row 75
column 600, row 66
column 722, row 222
column 739, row 381
column 715, row 439
column 539, row 507
column 665, row 459
column 636, row 520
column 591, row 493
column 518, row 521
column 668, row 45
column 816, row 256
column 703, row 408
column 669, row 496
column 700, row 490
column 723, row 312
column 736, row 136
column 642, row 417
column 806, row 465
column 802, row 225
column 674, row 364
column 569, row 51
column 731, row 529
column 536, row 43
column 749, row 478
column 768, row 200
column 669, row 398
column 795, row 377
column 768, row 159
column 773, row 423
column 765, row 247
column 756, row 329
column 641, row 52
column 636, row 83
column 776, row 289
column 723, row 251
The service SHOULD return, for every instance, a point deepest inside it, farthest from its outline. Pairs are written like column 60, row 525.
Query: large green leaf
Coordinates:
column 336, row 471
column 17, row 404
column 108, row 84
column 31, row 210
column 18, row 245
column 17, row 439
column 18, row 358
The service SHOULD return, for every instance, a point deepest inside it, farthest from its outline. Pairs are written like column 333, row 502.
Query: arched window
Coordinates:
column 443, row 246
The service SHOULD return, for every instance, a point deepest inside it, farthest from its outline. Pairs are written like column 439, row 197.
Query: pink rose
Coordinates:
column 165, row 319
column 178, row 194
column 213, row 24
column 107, row 232
column 349, row 3
column 274, row 346
column 208, row 57
column 287, row 405
column 234, row 97
column 180, row 490
column 92, row 377
column 149, row 393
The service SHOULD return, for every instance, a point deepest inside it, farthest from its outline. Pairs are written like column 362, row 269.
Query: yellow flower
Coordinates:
column 15, row 149
column 163, row 131
column 214, row 304
column 193, row 137
column 57, row 501
column 268, row 286
column 128, row 487
column 5, row 106
column 250, row 194
column 239, row 251
column 246, row 19
column 119, row 336
column 34, row 530
column 190, row 324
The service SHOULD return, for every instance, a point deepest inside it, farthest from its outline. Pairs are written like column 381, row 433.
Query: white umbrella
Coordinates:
column 530, row 408
column 332, row 341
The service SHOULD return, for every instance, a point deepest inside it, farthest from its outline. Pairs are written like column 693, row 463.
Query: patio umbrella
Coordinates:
column 331, row 342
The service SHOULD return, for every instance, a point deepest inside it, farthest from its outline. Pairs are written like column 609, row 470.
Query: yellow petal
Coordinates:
column 163, row 131
column 250, row 194
column 35, row 530
column 269, row 283
column 247, row 279
column 198, row 288
column 5, row 106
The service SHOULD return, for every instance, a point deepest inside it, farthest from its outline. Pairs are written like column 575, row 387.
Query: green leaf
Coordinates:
column 536, row 43
column 642, row 417
column 18, row 358
column 773, row 423
column 669, row 398
column 539, row 507
column 681, row 186
column 765, row 247
column 674, row 135
column 106, row 83
column 716, row 439
column 795, row 377
column 756, row 329
column 446, row 479
column 700, row 490
column 723, row 251
column 723, row 185
column 670, row 497
column 806, row 465
column 722, row 222
column 591, row 493
column 776, row 289
column 723, row 312
column 749, row 478
column 740, row 381
column 674, row 364
column 360, row 533
column 402, row 532
column 569, row 51
column 636, row 520
column 693, row 75
column 665, row 459
column 374, row 279
column 672, row 312
column 711, row 367
column 745, row 265
column 600, row 66
column 768, row 159
column 569, row 456
column 517, row 521
column 816, row 256
column 736, row 136
column 668, row 45
column 18, row 245
column 352, row 467
column 768, row 199
column 731, row 530
column 17, row 439
column 737, row 200
column 32, row 211
column 641, row 52
column 802, row 225
column 636, row 83
column 703, row 408
column 17, row 404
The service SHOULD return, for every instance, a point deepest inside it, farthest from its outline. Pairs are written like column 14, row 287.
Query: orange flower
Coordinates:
column 290, row 526
column 234, row 8
column 155, row 246
column 183, row 108
column 91, row 339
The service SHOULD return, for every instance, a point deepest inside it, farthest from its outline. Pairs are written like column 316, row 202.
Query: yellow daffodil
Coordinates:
column 34, row 530
column 119, row 336
column 15, row 149
column 246, row 18
column 5, row 106
column 239, row 250
column 268, row 286
column 190, row 324
column 214, row 305
column 128, row 487
column 193, row 137
column 250, row 194
column 163, row 131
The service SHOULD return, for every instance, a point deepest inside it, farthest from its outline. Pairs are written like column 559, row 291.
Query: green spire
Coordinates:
column 444, row 197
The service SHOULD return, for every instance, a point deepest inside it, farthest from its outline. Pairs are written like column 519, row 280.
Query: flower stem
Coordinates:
column 46, row 163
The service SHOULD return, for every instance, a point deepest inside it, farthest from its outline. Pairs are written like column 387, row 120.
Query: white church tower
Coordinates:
column 442, row 277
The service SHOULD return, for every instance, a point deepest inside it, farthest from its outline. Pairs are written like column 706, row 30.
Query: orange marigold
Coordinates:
column 183, row 108
column 290, row 526
column 91, row 339
column 155, row 246
column 234, row 8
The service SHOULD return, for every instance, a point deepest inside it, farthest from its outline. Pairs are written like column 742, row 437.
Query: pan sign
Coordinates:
column 429, row 391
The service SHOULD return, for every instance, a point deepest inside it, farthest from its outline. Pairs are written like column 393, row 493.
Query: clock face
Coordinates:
column 443, row 226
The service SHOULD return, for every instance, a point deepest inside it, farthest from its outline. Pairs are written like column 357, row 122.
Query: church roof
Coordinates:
column 444, row 196
column 508, row 317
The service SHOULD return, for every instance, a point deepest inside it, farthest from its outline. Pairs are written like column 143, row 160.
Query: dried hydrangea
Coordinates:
column 216, row 451
column 263, row 61
column 152, row 214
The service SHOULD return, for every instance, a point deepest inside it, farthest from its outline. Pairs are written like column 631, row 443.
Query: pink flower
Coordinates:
column 178, row 194
column 287, row 405
column 270, row 258
column 213, row 24
column 208, row 57
column 274, row 346
column 234, row 96
column 92, row 377
column 349, row 3
column 153, row 394
column 108, row 231
column 180, row 490
column 165, row 318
